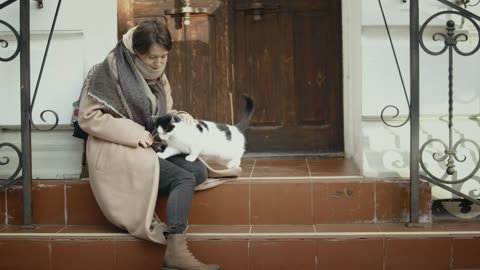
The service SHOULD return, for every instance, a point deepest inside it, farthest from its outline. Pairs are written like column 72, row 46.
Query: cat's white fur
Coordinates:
column 210, row 144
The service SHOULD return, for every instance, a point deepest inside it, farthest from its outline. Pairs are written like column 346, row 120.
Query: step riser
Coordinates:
column 339, row 254
column 236, row 202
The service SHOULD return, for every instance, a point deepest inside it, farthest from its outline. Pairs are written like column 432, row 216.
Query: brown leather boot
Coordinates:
column 178, row 257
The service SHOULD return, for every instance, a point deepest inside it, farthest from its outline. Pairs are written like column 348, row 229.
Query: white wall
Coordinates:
column 385, row 149
column 85, row 32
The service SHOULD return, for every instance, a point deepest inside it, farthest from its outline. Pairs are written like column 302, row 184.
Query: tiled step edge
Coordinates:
column 220, row 236
column 344, row 235
column 200, row 232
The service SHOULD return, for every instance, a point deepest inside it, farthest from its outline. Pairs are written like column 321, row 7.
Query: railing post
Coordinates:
column 25, row 110
column 414, row 111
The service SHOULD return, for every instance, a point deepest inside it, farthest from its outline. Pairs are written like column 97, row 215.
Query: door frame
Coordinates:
column 352, row 80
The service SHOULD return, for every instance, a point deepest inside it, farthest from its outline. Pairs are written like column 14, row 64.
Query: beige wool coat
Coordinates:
column 124, row 176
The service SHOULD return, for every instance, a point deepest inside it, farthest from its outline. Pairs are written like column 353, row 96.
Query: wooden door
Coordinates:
column 287, row 55
column 197, row 62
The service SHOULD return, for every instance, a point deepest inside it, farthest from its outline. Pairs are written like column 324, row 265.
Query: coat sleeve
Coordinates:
column 93, row 120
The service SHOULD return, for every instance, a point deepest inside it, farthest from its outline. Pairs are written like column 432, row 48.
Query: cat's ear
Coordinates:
column 173, row 120
column 160, row 120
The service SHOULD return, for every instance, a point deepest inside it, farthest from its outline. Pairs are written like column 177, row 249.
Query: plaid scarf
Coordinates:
column 127, row 86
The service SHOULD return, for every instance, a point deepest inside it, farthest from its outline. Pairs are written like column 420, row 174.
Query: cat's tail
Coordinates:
column 247, row 114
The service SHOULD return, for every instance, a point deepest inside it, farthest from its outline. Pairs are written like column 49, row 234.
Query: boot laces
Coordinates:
column 190, row 253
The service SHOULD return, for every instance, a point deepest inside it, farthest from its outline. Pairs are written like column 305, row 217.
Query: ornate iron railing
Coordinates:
column 450, row 155
column 26, row 104
column 451, row 41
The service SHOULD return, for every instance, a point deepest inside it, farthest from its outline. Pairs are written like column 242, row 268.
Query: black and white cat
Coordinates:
column 220, row 142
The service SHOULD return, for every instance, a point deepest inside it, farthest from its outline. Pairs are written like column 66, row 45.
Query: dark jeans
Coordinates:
column 178, row 179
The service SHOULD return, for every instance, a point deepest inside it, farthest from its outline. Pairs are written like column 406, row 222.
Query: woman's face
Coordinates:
column 156, row 57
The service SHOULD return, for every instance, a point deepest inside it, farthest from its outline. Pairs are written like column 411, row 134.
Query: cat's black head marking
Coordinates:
column 166, row 122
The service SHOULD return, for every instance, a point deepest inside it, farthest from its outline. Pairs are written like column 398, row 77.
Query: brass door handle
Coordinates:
column 257, row 7
column 186, row 11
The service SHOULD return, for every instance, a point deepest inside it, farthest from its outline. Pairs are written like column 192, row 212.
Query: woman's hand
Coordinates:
column 146, row 140
column 187, row 118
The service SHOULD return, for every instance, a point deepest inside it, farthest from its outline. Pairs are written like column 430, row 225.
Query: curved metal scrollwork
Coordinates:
column 451, row 40
column 43, row 119
column 12, row 179
column 4, row 43
column 5, row 160
column 397, row 111
column 40, row 77
column 449, row 155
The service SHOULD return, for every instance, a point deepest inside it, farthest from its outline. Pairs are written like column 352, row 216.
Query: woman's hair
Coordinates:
column 149, row 33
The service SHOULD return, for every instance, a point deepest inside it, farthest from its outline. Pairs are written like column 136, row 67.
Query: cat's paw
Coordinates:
column 162, row 155
column 233, row 163
column 190, row 158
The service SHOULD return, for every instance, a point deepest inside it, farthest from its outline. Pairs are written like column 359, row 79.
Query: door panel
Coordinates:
column 261, row 67
column 191, row 69
column 290, row 62
column 311, row 69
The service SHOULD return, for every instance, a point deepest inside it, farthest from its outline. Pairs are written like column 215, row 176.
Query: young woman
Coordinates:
column 119, row 98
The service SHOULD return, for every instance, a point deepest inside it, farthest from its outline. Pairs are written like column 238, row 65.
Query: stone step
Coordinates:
column 243, row 201
column 250, row 247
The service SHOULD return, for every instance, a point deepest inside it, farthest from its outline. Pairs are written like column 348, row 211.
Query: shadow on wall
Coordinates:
column 388, row 157
column 387, row 163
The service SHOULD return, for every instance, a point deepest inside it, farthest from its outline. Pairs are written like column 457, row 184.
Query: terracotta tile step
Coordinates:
column 321, row 246
column 246, row 202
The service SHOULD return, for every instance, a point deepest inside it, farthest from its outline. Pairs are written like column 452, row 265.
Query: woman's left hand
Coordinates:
column 146, row 140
